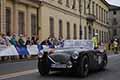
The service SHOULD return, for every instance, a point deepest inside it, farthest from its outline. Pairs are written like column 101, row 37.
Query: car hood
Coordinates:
column 64, row 55
column 60, row 57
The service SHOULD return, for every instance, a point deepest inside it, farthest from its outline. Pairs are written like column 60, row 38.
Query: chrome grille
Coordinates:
column 60, row 58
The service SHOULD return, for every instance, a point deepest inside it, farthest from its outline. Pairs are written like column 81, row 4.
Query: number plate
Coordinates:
column 58, row 65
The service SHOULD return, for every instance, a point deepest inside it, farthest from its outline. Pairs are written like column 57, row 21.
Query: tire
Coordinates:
column 83, row 68
column 43, row 68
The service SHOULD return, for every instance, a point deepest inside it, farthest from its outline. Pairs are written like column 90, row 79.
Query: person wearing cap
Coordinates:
column 95, row 40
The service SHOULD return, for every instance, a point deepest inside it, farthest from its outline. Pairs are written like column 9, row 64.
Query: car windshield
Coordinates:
column 82, row 44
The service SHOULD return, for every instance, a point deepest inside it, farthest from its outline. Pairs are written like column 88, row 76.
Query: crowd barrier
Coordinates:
column 16, row 51
column 34, row 49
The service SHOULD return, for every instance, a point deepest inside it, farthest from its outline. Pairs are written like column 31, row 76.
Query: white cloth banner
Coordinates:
column 8, row 51
column 33, row 50
column 11, row 50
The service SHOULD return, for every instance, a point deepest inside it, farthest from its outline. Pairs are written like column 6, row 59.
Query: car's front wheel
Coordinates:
column 83, row 68
column 43, row 68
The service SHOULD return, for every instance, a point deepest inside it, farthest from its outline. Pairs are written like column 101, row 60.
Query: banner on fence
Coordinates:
column 8, row 51
column 33, row 50
column 22, row 50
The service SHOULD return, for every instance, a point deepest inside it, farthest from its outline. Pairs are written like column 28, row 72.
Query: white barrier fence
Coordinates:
column 11, row 50
column 34, row 50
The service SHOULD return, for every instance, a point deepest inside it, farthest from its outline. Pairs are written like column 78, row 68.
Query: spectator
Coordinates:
column 8, row 38
column 4, row 40
column 21, row 41
column 33, row 41
column 37, row 40
column 61, row 42
column 13, row 40
column 55, row 42
column 28, row 41
column 44, row 42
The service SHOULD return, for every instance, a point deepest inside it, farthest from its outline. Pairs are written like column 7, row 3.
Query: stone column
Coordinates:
column 15, row 18
column 3, row 16
column 28, row 23
column 39, row 22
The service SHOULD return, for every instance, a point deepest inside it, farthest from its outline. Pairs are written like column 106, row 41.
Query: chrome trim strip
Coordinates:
column 51, row 59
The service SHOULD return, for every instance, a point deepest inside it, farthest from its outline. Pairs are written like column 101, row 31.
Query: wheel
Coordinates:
column 43, row 68
column 83, row 67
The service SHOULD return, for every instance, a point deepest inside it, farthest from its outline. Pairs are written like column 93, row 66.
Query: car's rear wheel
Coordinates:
column 43, row 68
column 83, row 68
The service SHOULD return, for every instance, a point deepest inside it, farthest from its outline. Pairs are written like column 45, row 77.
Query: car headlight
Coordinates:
column 75, row 55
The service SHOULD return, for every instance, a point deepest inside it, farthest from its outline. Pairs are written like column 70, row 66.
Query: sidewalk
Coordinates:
column 111, row 52
column 16, row 59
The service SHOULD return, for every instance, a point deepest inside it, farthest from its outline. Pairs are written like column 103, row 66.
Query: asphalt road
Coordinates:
column 27, row 70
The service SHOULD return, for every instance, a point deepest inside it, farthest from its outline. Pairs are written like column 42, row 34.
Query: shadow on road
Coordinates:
column 71, row 76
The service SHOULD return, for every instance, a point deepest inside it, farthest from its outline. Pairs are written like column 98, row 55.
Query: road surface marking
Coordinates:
column 12, row 75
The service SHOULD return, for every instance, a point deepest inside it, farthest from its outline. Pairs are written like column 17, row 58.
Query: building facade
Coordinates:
column 18, row 16
column 70, row 19
column 114, row 22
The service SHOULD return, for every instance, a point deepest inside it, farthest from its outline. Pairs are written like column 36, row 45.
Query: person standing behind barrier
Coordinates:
column 50, row 42
column 13, row 40
column 21, row 42
column 61, row 42
column 37, row 41
column 28, row 41
column 115, row 45
column 95, row 41
column 33, row 40
column 5, row 42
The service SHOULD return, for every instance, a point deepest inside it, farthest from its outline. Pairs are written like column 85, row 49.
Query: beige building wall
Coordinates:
column 97, row 24
column 27, row 8
column 2, row 15
column 58, row 11
column 50, row 11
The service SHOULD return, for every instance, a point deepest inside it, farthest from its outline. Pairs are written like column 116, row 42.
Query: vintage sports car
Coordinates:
column 76, row 56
